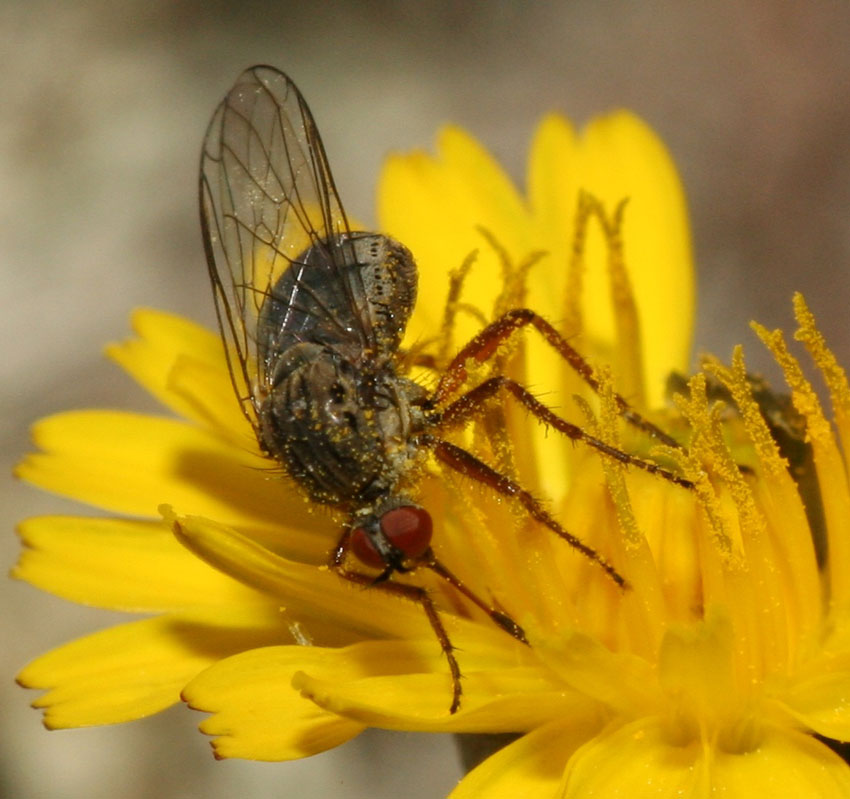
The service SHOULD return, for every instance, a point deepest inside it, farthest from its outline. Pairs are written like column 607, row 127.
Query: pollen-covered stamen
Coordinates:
column 406, row 529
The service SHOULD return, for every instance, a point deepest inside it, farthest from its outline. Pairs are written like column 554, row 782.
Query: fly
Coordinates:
column 312, row 315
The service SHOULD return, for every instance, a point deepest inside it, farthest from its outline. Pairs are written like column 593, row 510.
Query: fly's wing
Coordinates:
column 275, row 234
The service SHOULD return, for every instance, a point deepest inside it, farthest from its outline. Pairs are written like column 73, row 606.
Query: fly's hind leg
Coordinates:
column 468, row 405
column 468, row 465
column 483, row 346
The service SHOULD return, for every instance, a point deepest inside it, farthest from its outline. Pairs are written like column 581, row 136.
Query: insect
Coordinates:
column 312, row 314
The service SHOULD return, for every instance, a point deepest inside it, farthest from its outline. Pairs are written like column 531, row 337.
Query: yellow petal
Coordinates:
column 531, row 767
column 637, row 761
column 131, row 463
column 170, row 335
column 206, row 395
column 308, row 592
column 418, row 691
column 122, row 565
column 620, row 680
column 822, row 703
column 134, row 670
column 641, row 760
column 618, row 157
column 258, row 715
column 162, row 338
column 183, row 365
column 817, row 693
column 696, row 664
column 787, row 763
column 436, row 207
column 625, row 159
column 554, row 182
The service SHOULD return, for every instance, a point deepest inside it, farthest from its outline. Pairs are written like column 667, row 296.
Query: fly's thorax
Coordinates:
column 342, row 432
column 389, row 276
column 353, row 292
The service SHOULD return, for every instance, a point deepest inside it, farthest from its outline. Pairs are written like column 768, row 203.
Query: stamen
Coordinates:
column 805, row 399
column 640, row 631
column 574, row 290
column 833, row 372
column 628, row 349
column 453, row 304
column 629, row 340
column 829, row 463
column 735, row 380
column 706, row 432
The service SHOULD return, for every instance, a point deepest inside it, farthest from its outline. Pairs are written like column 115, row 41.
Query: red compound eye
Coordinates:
column 407, row 528
column 361, row 546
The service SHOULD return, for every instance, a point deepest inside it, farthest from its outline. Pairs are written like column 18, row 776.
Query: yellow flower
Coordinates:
column 710, row 673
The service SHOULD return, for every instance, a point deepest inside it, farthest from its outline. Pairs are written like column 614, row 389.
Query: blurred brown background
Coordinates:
column 102, row 110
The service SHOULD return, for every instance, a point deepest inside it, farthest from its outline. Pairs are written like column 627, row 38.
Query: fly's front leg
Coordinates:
column 498, row 617
column 416, row 593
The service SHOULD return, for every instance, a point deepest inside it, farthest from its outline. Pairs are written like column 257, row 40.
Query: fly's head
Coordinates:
column 392, row 537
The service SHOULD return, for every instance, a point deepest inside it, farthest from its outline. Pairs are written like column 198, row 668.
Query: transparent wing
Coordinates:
column 269, row 208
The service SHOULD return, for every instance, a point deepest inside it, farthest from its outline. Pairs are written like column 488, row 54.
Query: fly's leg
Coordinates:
column 468, row 465
column 336, row 562
column 484, row 345
column 498, row 617
column 465, row 407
